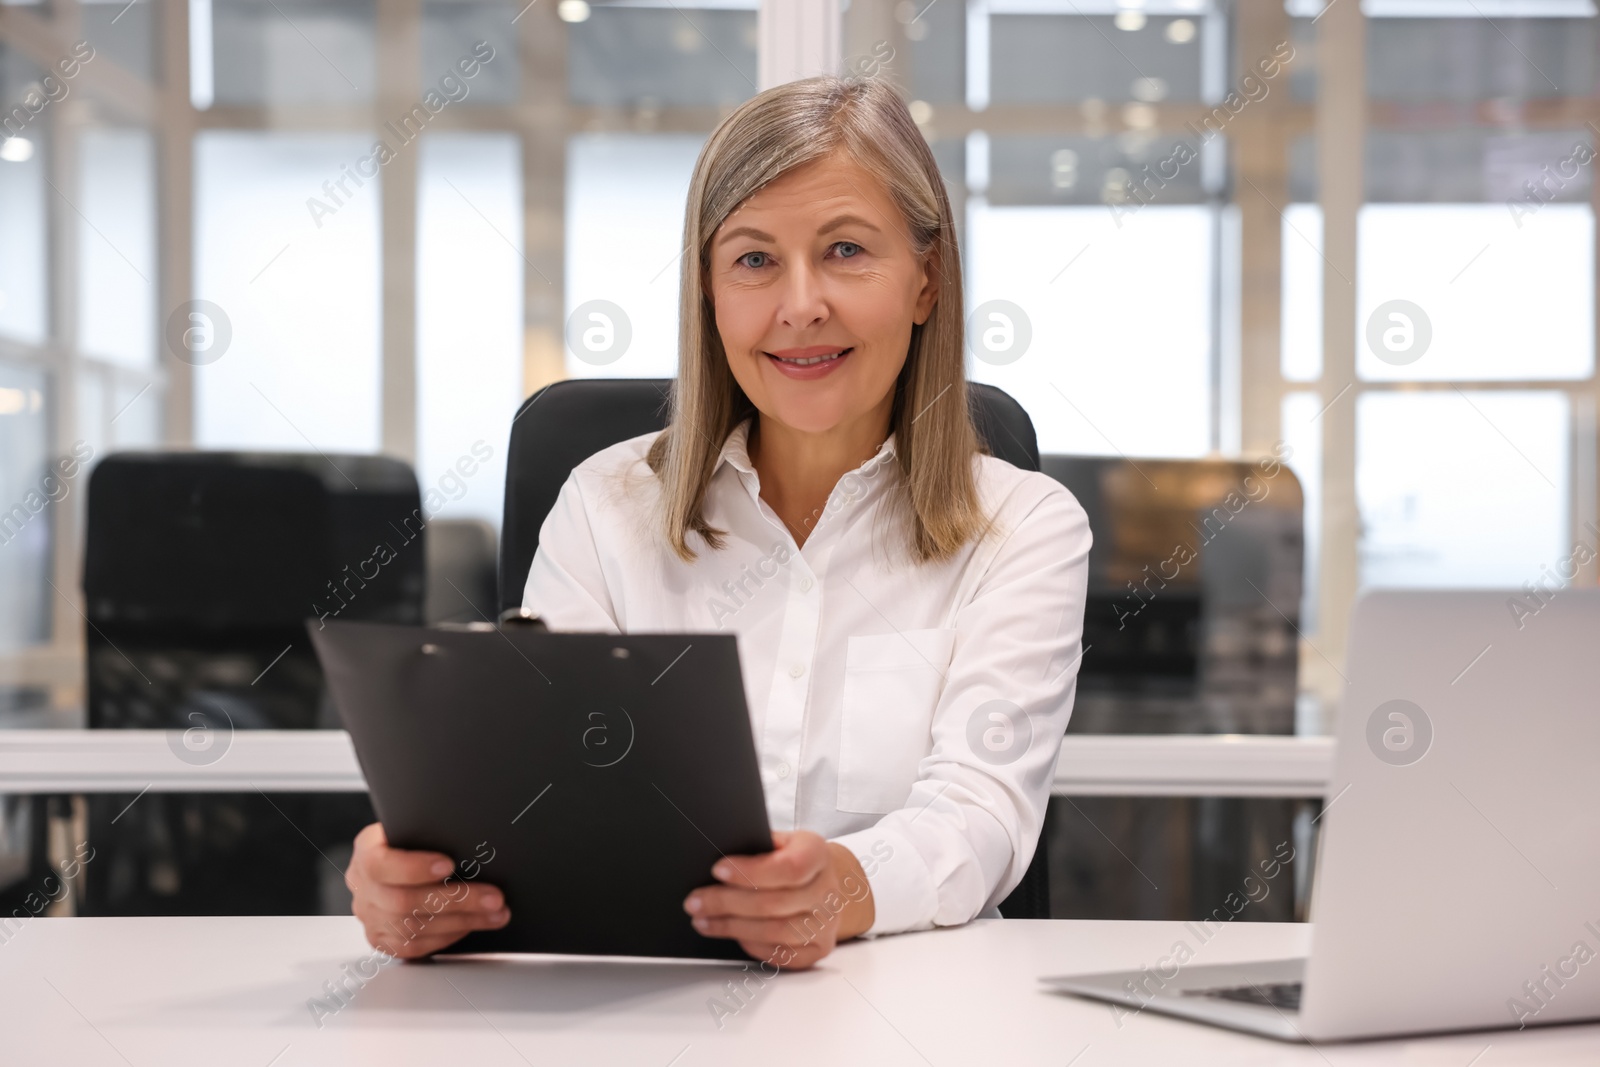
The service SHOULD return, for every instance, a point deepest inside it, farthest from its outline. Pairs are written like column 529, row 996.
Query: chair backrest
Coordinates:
column 1202, row 640
column 568, row 421
column 201, row 570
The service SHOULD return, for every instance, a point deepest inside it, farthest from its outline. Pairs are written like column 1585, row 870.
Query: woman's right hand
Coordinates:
column 405, row 903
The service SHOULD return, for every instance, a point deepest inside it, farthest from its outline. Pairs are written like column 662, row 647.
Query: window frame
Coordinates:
column 794, row 37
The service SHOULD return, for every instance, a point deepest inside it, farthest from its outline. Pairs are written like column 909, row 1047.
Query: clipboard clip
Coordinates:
column 510, row 619
column 520, row 618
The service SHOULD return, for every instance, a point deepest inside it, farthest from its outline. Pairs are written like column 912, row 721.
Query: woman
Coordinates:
column 909, row 609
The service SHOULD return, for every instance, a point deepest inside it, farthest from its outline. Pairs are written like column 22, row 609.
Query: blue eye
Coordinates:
column 746, row 257
column 843, row 245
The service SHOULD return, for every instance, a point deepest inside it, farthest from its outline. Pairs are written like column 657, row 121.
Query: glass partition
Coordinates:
column 373, row 225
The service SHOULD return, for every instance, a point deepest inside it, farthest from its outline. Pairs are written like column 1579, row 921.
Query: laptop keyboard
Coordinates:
column 1283, row 995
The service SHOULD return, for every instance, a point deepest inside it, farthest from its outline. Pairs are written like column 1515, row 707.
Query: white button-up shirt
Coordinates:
column 911, row 711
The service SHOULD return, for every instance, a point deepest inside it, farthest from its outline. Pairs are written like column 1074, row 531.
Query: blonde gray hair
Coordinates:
column 935, row 441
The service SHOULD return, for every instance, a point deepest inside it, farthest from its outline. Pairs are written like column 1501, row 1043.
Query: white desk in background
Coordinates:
column 322, row 761
column 173, row 992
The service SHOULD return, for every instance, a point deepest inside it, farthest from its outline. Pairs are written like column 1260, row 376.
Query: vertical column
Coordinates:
column 1261, row 193
column 542, row 122
column 1586, row 422
column 399, row 85
column 1341, row 136
column 796, row 39
column 61, row 168
column 174, row 132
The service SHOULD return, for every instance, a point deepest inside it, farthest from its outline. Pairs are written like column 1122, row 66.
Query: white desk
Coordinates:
column 209, row 991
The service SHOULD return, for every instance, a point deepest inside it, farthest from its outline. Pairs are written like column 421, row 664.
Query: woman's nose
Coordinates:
column 803, row 302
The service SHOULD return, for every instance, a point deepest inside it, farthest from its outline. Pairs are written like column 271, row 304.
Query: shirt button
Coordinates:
column 796, row 671
column 783, row 770
column 806, row 584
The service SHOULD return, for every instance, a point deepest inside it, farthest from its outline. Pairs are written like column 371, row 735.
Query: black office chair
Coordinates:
column 200, row 570
column 568, row 421
column 1210, row 647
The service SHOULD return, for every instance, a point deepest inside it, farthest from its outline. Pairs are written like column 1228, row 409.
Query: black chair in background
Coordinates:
column 461, row 556
column 566, row 422
column 1190, row 628
column 200, row 572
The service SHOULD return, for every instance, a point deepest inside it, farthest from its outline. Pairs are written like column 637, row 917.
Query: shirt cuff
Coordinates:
column 903, row 893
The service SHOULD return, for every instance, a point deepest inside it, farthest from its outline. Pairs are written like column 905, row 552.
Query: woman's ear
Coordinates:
column 929, row 294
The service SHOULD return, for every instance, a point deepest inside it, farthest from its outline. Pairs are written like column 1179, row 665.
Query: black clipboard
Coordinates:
column 593, row 778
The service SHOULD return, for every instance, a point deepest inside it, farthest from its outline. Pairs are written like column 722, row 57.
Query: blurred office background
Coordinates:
column 1203, row 211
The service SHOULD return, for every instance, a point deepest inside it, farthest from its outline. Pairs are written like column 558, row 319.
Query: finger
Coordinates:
column 784, row 957
column 416, row 926
column 768, row 954
column 431, row 898
column 398, row 941
column 408, row 927
column 374, row 860
column 791, row 932
column 410, row 949
column 370, row 835
column 801, row 858
column 807, row 957
column 715, row 901
column 400, row 866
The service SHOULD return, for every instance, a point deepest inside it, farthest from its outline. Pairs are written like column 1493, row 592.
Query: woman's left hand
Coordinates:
column 789, row 906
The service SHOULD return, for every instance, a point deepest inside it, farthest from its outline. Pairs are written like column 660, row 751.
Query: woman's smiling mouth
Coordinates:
column 814, row 361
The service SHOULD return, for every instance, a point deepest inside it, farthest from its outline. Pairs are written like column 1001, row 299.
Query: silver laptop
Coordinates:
column 1457, row 881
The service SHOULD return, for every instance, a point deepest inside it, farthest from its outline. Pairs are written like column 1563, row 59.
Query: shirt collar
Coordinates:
column 736, row 451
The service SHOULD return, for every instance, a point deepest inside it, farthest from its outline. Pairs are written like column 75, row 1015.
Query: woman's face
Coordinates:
column 815, row 286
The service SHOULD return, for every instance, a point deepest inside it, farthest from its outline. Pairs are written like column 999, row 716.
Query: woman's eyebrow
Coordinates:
column 762, row 235
column 849, row 220
column 746, row 231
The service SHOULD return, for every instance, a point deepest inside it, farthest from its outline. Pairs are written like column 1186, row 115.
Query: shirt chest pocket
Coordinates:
column 892, row 683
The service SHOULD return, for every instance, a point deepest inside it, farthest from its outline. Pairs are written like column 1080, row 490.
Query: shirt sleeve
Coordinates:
column 567, row 584
column 969, row 827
